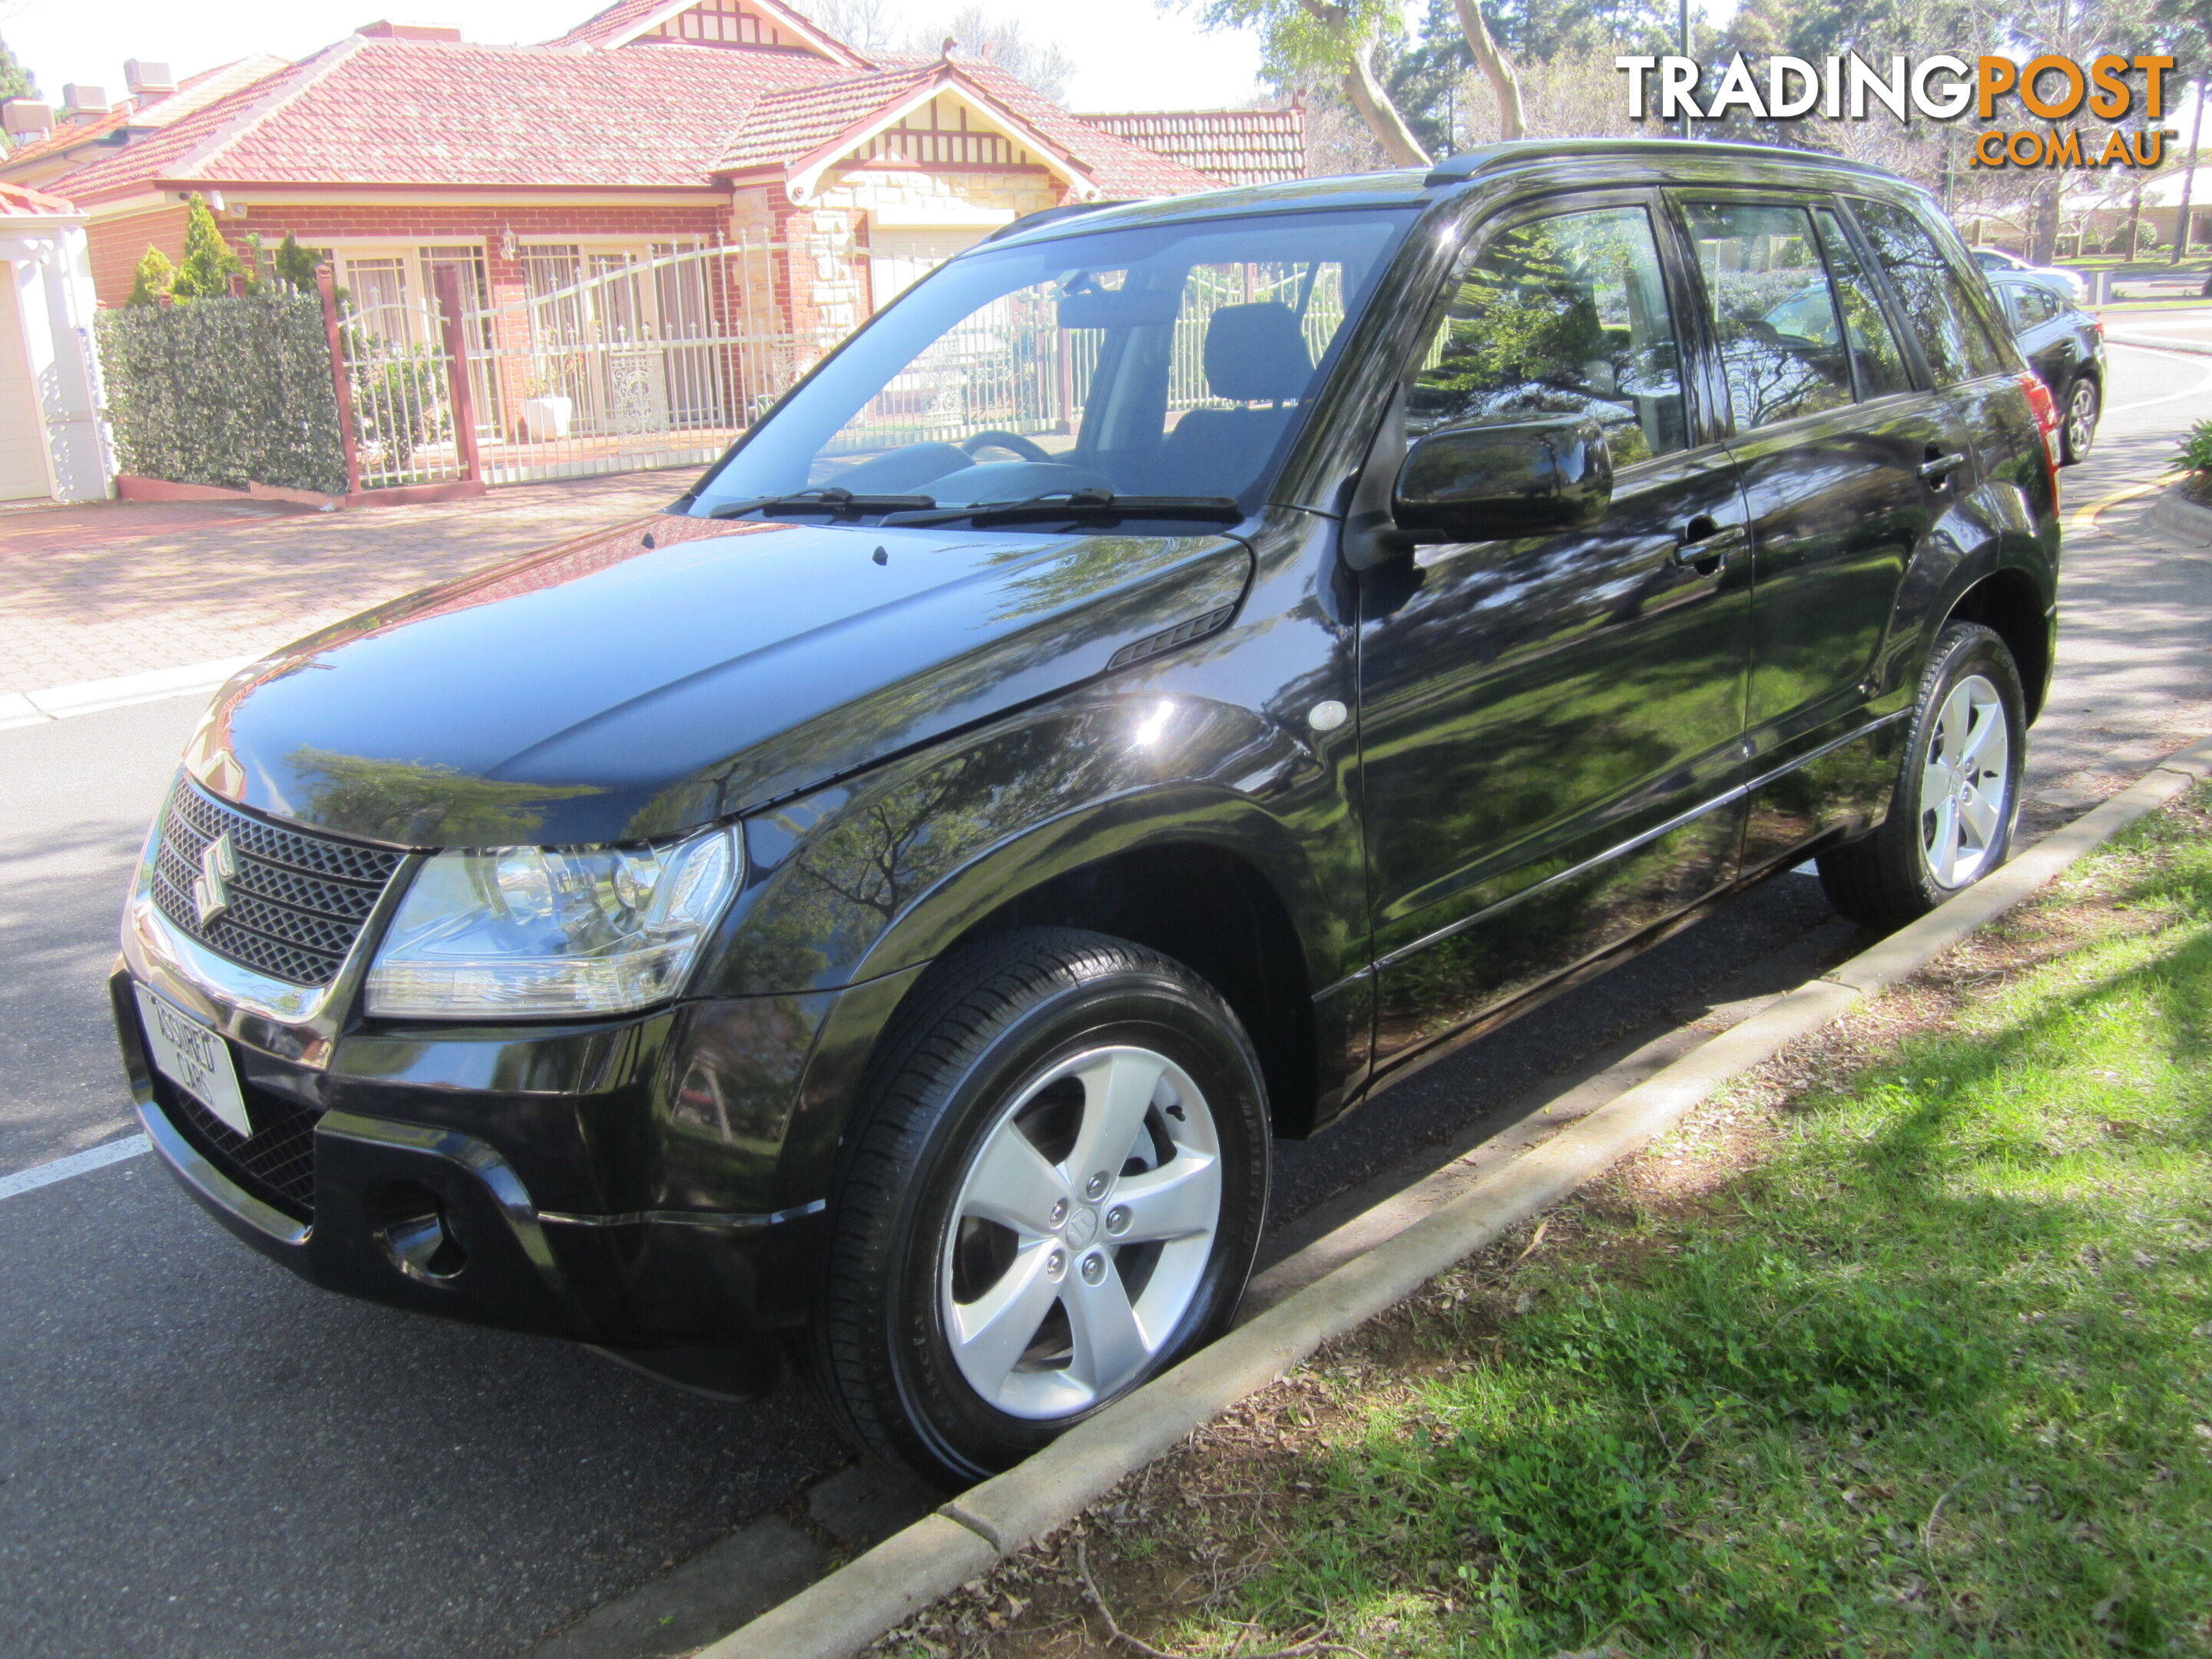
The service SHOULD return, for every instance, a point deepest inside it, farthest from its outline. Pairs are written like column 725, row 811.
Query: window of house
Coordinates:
column 1781, row 334
column 376, row 291
column 1937, row 303
column 1560, row 316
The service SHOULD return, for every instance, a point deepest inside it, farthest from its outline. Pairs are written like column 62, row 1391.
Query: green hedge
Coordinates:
column 225, row 391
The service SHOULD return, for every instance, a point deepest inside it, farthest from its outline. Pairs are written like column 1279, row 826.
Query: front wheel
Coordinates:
column 1957, row 792
column 1054, row 1193
column 2077, row 432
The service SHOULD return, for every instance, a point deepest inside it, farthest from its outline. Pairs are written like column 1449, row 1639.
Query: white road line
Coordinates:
column 2198, row 363
column 76, row 1163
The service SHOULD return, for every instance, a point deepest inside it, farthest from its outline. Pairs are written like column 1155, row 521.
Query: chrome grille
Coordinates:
column 297, row 899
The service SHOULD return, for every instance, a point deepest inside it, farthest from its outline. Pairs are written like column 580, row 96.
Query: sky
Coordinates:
column 1132, row 54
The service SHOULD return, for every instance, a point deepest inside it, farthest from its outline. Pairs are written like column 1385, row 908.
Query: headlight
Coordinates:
column 534, row 930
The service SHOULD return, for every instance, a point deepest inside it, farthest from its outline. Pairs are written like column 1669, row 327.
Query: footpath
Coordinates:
column 93, row 593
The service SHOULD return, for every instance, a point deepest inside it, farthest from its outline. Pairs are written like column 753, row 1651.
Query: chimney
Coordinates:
column 148, row 82
column 82, row 103
column 26, row 119
column 383, row 29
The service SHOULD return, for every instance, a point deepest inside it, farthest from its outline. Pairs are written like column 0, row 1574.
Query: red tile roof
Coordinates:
column 1122, row 170
column 658, row 115
column 783, row 126
column 626, row 20
column 401, row 112
column 194, row 93
column 1236, row 146
column 22, row 202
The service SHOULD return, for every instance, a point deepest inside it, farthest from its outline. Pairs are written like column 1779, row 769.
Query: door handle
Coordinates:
column 1939, row 466
column 1705, row 544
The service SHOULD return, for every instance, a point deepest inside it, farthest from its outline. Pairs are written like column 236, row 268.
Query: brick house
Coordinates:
column 656, row 218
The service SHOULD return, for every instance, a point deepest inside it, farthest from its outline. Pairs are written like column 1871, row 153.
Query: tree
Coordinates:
column 209, row 263
column 1496, row 67
column 977, row 34
column 295, row 267
column 16, row 81
column 864, row 25
column 1337, row 39
column 155, row 277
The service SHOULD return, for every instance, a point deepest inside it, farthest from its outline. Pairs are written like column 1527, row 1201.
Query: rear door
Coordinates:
column 1848, row 457
column 1549, row 726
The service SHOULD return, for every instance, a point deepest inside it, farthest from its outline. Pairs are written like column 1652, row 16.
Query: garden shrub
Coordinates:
column 225, row 391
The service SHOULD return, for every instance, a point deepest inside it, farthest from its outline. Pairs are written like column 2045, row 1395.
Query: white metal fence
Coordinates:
column 616, row 362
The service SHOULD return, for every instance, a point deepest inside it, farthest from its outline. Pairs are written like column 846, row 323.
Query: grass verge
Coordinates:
column 1899, row 1347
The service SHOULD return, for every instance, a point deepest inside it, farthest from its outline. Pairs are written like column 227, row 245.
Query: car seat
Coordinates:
column 1254, row 353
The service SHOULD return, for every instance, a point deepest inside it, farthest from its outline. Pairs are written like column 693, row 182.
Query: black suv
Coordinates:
column 1173, row 670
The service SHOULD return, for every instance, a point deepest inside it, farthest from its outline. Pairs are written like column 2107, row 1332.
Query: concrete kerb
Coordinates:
column 2160, row 342
column 877, row 1592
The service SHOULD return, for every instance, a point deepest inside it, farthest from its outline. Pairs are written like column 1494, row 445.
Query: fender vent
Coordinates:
column 1168, row 639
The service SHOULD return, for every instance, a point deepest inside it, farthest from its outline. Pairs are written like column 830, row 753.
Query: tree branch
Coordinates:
column 1497, row 69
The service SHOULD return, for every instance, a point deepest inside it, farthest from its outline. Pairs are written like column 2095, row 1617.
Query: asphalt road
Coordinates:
column 201, row 1455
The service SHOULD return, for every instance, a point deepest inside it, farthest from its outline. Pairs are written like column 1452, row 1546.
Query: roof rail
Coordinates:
column 1458, row 169
column 1049, row 215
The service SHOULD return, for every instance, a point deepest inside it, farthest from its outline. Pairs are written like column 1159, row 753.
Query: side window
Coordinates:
column 1561, row 316
column 1876, row 356
column 1781, row 339
column 2036, row 305
column 1936, row 296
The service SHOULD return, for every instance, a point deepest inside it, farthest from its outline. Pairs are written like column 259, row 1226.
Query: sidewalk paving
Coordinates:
column 121, row 588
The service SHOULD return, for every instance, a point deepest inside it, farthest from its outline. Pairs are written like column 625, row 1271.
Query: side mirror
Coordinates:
column 1485, row 482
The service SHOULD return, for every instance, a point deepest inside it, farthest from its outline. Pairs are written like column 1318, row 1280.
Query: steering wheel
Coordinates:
column 1010, row 440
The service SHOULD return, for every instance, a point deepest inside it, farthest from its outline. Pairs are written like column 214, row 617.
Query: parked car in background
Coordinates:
column 2065, row 346
column 1994, row 259
column 1176, row 670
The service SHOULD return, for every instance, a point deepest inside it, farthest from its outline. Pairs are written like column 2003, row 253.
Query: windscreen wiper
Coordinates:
column 1078, row 504
column 833, row 501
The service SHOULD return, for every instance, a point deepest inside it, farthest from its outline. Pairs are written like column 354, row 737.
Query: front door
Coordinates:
column 1550, row 726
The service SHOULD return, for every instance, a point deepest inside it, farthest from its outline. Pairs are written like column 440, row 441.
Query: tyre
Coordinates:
column 2077, row 426
column 1957, row 793
column 1054, row 1191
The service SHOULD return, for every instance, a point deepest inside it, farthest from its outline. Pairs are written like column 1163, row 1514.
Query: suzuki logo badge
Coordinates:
column 210, row 891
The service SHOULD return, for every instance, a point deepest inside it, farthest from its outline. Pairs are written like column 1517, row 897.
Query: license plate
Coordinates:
column 191, row 1057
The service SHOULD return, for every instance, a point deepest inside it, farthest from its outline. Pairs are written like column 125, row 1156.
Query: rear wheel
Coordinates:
column 1957, row 793
column 2077, row 428
column 1057, row 1191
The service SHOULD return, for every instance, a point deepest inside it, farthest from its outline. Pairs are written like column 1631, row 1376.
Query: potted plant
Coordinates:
column 547, row 412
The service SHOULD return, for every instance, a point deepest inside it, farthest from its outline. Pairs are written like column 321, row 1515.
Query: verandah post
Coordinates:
column 463, row 403
column 341, row 382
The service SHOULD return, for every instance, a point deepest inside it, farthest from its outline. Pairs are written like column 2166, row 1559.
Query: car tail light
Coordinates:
column 2047, row 422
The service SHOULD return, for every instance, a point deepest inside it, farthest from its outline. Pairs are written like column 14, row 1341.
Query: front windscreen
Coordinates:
column 1170, row 361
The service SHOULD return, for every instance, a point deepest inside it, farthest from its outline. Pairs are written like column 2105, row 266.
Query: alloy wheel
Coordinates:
column 1081, row 1233
column 2081, row 419
column 1966, row 783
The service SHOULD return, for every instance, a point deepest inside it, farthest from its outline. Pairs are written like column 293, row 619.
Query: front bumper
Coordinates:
column 389, row 1198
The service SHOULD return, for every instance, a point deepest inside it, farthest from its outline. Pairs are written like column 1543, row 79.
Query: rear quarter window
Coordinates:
column 1942, row 309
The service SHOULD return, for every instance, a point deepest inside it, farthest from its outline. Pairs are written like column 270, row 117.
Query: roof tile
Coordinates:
column 405, row 112
column 1236, row 146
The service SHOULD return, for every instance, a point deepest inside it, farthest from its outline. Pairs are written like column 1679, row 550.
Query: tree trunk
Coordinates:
column 2189, row 178
column 2043, row 233
column 2135, row 221
column 1365, row 93
column 1497, row 69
